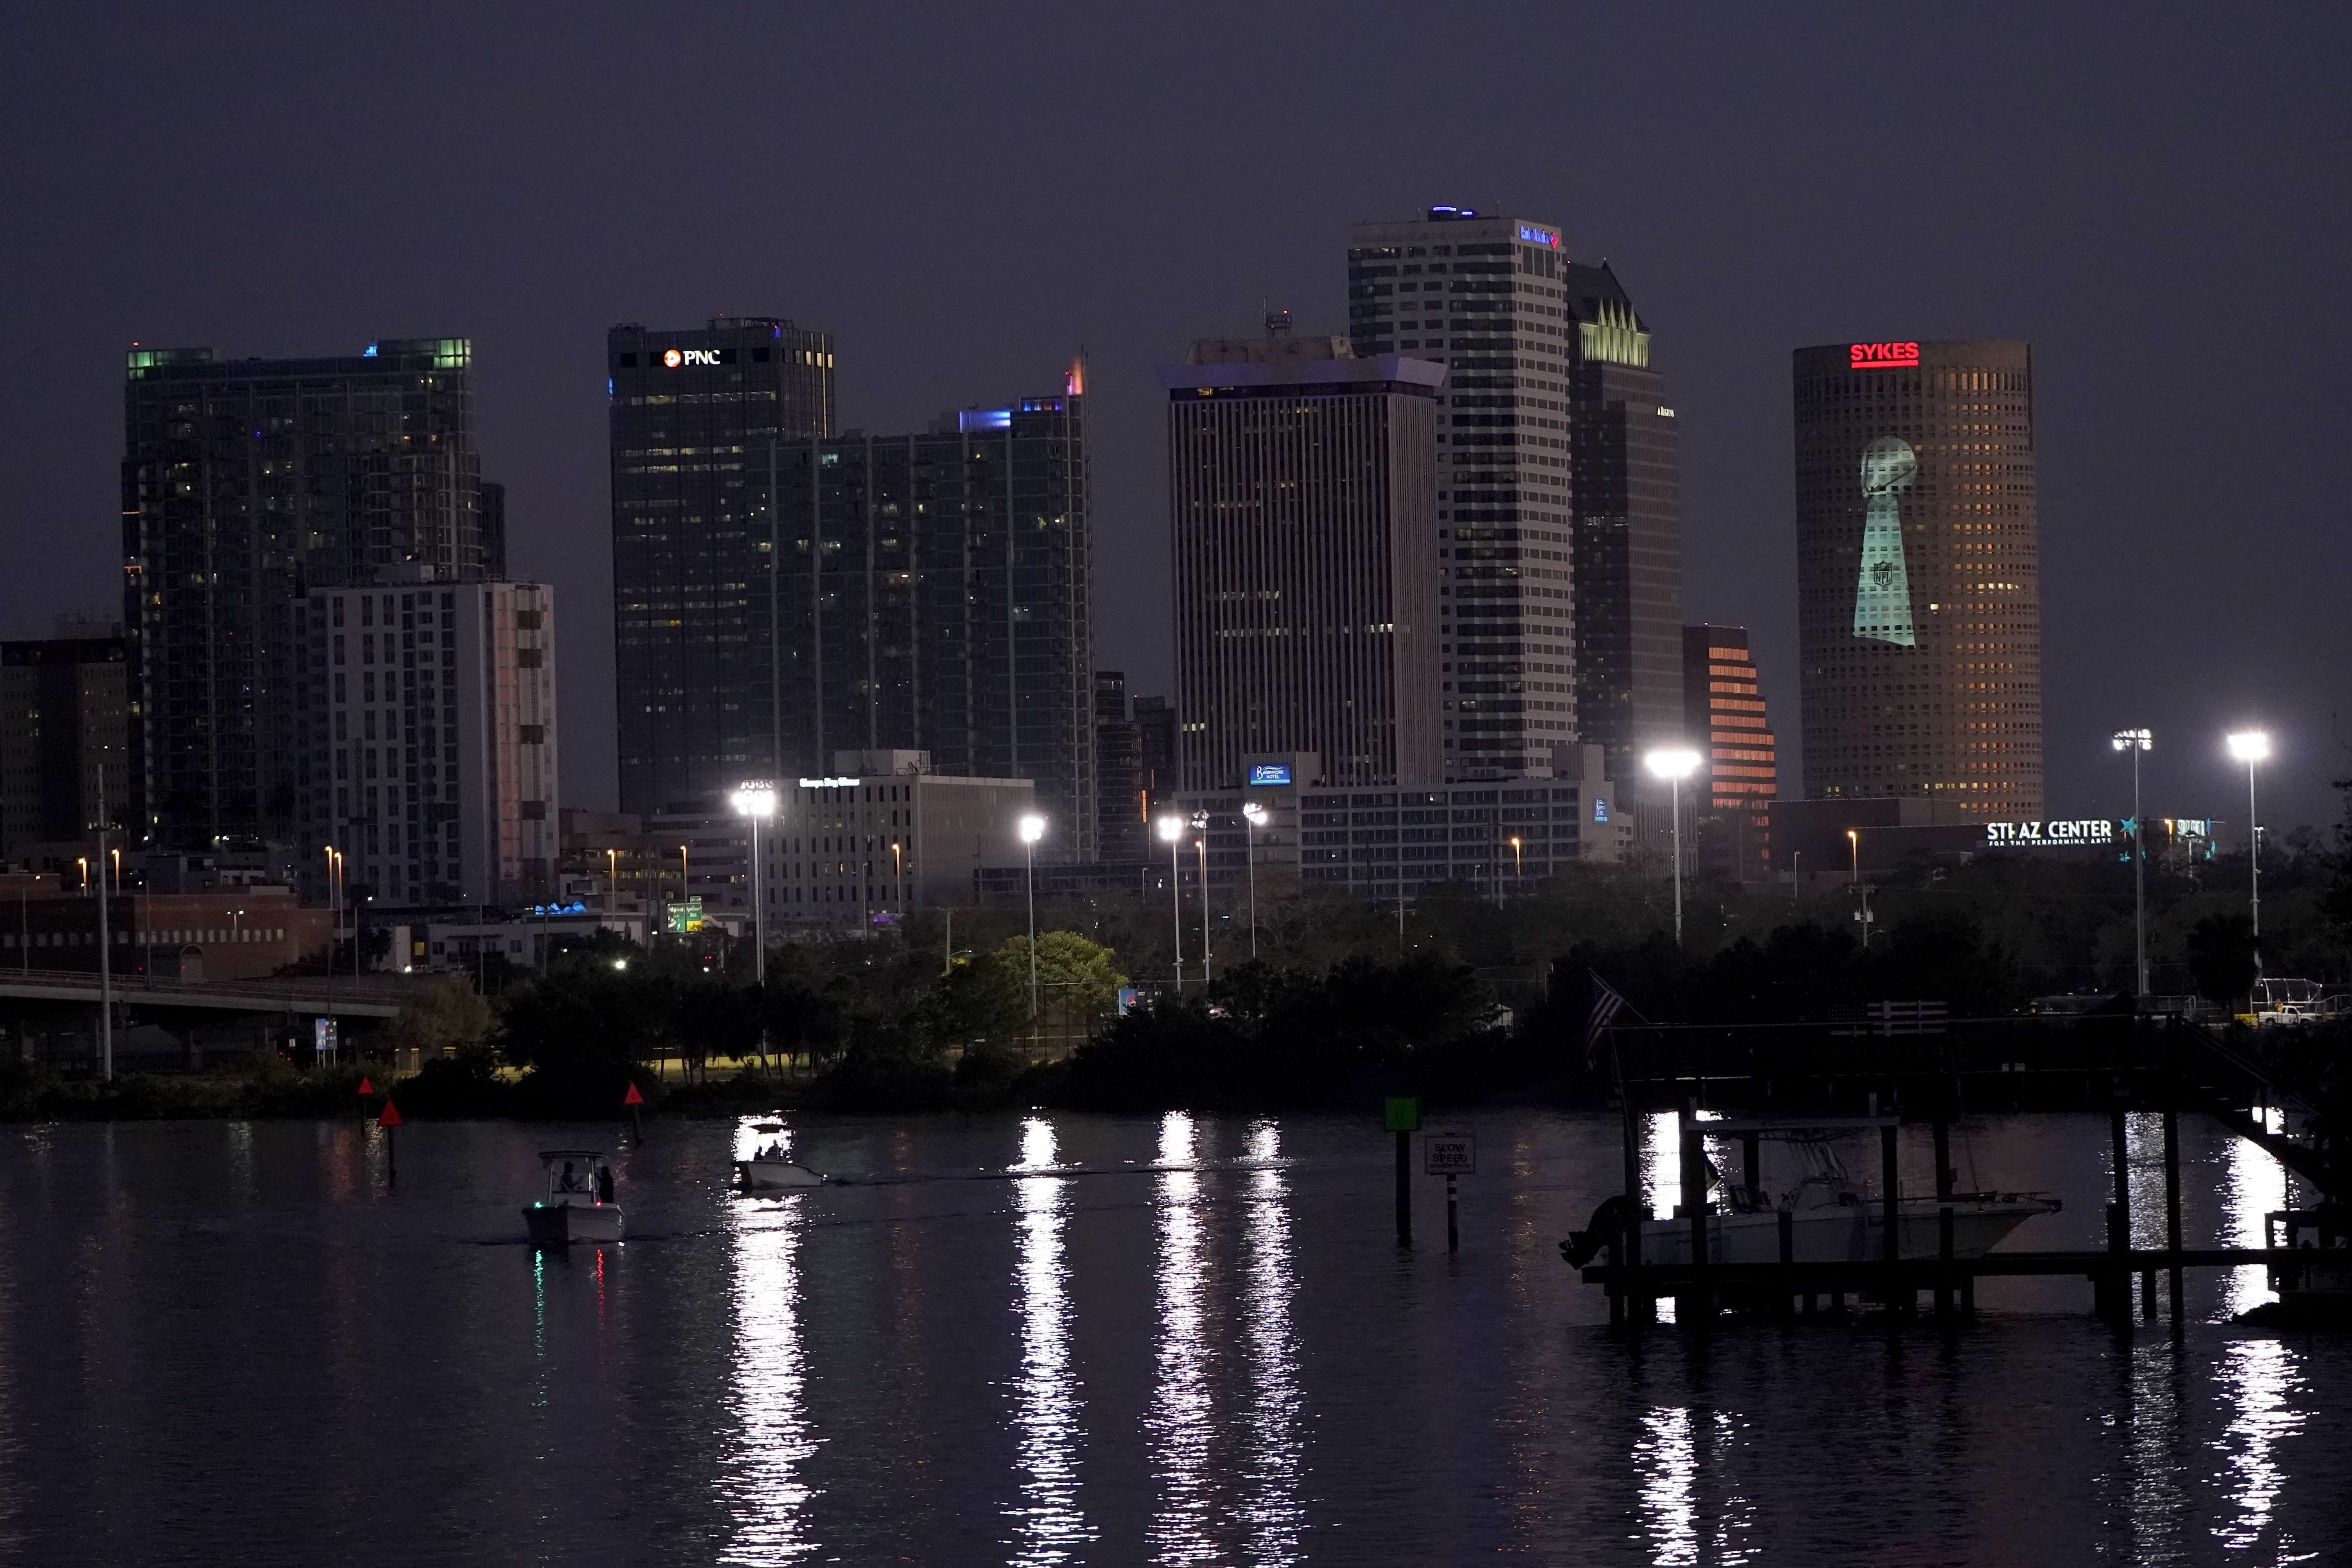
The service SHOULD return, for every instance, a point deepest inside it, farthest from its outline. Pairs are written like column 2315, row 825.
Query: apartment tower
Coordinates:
column 244, row 484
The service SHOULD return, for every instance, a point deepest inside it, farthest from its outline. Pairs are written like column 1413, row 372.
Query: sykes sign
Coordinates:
column 1881, row 356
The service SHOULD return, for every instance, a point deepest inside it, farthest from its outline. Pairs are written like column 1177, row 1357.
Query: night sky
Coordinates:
column 2156, row 199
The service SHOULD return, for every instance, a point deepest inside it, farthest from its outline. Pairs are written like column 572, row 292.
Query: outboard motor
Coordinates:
column 1606, row 1226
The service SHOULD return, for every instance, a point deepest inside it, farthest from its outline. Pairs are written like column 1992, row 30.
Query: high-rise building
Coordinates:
column 65, row 743
column 1725, row 717
column 1302, row 501
column 1918, row 572
column 244, row 483
column 1121, row 832
column 698, row 418
column 1485, row 296
column 934, row 592
column 1626, row 499
column 428, row 741
column 1156, row 750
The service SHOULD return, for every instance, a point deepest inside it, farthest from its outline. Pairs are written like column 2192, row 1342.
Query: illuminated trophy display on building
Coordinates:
column 1882, row 599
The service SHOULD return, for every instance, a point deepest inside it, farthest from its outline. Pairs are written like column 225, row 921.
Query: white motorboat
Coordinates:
column 1829, row 1220
column 579, row 1205
column 774, row 1175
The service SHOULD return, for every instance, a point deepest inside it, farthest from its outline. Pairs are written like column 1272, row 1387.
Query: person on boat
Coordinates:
column 570, row 1182
column 604, row 1184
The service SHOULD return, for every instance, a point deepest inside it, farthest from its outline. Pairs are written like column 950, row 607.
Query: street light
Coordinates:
column 1519, row 863
column 1033, row 829
column 1252, row 818
column 1200, row 842
column 1674, row 764
column 1171, row 828
column 2252, row 746
column 2136, row 741
column 756, row 798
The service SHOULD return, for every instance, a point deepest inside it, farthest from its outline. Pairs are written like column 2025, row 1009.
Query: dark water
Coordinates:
column 227, row 1343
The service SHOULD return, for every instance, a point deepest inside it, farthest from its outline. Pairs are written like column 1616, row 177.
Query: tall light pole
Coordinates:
column 2136, row 741
column 1200, row 842
column 756, row 798
column 1674, row 764
column 1252, row 818
column 1854, row 843
column 1033, row 829
column 1171, row 828
column 105, row 953
column 2252, row 746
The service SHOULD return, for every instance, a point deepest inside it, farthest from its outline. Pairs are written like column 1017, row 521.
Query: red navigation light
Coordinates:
column 1881, row 356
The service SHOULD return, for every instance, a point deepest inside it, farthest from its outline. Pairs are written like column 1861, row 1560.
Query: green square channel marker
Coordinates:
column 1401, row 1115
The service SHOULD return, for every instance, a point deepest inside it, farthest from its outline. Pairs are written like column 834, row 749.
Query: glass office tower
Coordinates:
column 698, row 420
column 1919, row 574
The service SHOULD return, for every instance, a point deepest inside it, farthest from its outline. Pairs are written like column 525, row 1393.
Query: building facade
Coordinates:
column 883, row 834
column 244, row 483
column 65, row 744
column 1486, row 298
column 696, row 421
column 1725, row 716
column 428, row 740
column 933, row 593
column 1919, row 567
column 1626, row 499
column 1501, row 841
column 1122, row 828
column 1302, row 503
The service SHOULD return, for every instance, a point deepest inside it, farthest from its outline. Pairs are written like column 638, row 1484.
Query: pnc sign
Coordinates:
column 674, row 358
column 1881, row 356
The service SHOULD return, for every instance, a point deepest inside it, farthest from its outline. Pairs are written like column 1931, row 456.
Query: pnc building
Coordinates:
column 1918, row 572
column 699, row 419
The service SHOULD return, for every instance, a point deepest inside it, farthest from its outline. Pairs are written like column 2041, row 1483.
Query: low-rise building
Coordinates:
column 885, row 836
column 226, row 934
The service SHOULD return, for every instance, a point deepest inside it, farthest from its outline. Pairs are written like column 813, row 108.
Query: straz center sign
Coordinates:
column 2052, row 835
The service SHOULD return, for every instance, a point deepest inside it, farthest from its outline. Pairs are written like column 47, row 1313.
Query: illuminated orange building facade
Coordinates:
column 1725, row 716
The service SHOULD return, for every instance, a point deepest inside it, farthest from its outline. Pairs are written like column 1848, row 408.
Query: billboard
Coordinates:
column 2054, row 835
column 1269, row 774
column 1882, row 596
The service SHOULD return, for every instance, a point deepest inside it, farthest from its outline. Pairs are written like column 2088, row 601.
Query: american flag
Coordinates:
column 1606, row 1004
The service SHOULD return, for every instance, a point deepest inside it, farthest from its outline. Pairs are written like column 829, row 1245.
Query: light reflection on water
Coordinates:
column 1048, row 1524
column 1179, row 1424
column 1068, row 1338
column 2253, row 1184
column 765, row 1494
column 1272, row 1511
column 2261, row 1378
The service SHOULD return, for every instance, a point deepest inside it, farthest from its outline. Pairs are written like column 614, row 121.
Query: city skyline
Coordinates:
column 2130, row 483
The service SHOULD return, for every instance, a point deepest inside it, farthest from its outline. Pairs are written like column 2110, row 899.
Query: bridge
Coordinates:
column 359, row 997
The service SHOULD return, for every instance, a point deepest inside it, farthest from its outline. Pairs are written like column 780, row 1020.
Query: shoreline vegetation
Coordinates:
column 1467, row 1000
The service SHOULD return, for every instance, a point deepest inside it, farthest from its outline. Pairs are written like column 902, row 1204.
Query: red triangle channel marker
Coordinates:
column 367, row 1085
column 391, row 1116
column 632, row 1097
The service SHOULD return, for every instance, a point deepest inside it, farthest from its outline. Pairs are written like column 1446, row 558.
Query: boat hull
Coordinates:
column 561, row 1224
column 774, row 1175
column 1843, row 1233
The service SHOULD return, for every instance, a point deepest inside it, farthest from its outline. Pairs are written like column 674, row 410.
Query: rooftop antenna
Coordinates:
column 1278, row 323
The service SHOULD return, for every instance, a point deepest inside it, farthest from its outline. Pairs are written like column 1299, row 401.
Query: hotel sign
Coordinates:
column 1881, row 356
column 2052, row 835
